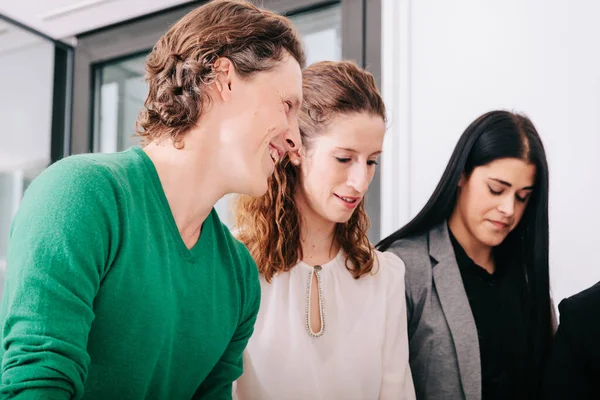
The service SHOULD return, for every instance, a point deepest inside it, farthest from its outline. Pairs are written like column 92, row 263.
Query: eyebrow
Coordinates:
column 354, row 151
column 509, row 185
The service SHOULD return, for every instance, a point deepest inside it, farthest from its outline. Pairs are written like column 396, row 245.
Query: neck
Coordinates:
column 317, row 235
column 478, row 252
column 190, row 181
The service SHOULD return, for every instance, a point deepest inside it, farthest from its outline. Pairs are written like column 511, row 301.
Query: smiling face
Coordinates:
column 491, row 201
column 260, row 123
column 339, row 166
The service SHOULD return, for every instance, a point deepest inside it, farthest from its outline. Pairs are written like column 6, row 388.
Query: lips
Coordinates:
column 275, row 152
column 349, row 201
column 499, row 224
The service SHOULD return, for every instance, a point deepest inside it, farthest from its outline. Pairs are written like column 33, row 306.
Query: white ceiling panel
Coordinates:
column 62, row 19
column 12, row 37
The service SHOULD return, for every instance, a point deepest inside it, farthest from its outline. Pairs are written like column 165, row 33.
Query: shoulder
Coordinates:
column 414, row 252
column 232, row 247
column 581, row 308
column 73, row 205
column 389, row 265
column 236, row 257
column 390, row 270
column 79, row 176
column 79, row 168
column 76, row 188
column 411, row 248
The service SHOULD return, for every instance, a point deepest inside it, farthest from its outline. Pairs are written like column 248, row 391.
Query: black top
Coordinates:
column 498, row 305
column 574, row 366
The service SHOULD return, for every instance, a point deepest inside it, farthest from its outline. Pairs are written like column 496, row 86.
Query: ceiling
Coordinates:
column 62, row 19
column 12, row 37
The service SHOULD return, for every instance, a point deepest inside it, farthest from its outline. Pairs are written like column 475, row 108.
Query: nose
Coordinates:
column 359, row 178
column 292, row 139
column 507, row 205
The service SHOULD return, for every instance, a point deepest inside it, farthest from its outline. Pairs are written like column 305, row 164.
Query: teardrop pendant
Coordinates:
column 316, row 270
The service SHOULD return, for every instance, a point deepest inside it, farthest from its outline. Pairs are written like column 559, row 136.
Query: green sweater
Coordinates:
column 103, row 300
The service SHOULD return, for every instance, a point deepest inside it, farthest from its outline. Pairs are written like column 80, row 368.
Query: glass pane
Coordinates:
column 121, row 90
column 321, row 32
column 26, row 115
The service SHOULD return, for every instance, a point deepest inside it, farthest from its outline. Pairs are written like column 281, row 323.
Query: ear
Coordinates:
column 295, row 158
column 225, row 74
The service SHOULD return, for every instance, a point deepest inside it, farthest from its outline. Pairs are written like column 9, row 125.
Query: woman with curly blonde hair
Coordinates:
column 332, row 308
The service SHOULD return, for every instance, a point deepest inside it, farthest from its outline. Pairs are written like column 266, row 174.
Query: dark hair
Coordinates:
column 181, row 63
column 270, row 225
column 496, row 135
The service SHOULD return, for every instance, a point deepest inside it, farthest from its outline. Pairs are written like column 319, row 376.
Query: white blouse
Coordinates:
column 362, row 353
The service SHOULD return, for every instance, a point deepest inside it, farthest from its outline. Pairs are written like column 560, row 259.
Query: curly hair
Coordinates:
column 270, row 225
column 181, row 64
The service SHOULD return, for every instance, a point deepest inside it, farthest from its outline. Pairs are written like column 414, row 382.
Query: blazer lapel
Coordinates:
column 456, row 308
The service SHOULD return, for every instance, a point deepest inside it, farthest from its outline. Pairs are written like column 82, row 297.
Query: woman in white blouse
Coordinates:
column 332, row 319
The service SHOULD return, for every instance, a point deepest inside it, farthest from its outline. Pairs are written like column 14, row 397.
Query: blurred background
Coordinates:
column 71, row 82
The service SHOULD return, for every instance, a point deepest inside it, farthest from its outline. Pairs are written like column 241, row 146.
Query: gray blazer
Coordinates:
column 443, row 341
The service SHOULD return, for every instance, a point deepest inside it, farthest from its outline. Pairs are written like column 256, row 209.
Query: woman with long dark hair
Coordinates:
column 477, row 280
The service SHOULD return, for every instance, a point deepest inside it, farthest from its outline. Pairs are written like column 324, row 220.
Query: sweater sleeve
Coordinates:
column 397, row 380
column 219, row 383
column 57, row 252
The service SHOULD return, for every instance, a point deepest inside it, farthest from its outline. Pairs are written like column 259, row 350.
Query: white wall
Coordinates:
column 26, row 84
column 447, row 62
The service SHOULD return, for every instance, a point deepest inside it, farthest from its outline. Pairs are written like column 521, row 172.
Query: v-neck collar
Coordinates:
column 207, row 226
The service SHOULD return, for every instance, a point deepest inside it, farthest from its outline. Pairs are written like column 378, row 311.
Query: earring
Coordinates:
column 296, row 162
